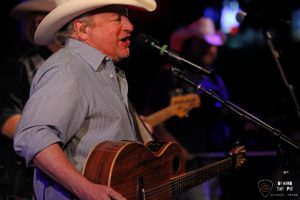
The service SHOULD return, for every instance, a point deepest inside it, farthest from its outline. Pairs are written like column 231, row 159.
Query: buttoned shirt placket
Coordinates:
column 115, row 80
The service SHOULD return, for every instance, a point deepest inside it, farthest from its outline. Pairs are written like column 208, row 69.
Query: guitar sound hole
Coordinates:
column 176, row 163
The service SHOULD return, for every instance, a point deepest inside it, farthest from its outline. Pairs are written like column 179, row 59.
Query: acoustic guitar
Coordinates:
column 179, row 106
column 153, row 172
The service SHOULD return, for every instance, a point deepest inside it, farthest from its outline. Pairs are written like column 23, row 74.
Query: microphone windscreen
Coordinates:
column 141, row 39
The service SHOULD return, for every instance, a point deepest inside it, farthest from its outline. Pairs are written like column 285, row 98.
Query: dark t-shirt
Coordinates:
column 16, row 75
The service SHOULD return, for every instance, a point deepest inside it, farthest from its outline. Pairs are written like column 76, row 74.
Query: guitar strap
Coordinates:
column 142, row 132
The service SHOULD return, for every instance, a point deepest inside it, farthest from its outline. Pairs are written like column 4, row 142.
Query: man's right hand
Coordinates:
column 100, row 192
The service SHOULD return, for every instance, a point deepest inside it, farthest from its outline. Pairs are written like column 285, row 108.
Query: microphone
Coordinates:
column 163, row 50
column 243, row 17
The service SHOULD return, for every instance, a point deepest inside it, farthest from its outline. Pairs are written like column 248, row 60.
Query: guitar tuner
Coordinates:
column 233, row 146
column 236, row 143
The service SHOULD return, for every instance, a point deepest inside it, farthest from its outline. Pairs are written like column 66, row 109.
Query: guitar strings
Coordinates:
column 180, row 181
column 178, row 184
column 185, row 180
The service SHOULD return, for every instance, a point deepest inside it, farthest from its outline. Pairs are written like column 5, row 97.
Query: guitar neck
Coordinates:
column 190, row 179
column 160, row 116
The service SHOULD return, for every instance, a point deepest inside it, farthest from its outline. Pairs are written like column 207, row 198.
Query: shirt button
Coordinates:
column 111, row 75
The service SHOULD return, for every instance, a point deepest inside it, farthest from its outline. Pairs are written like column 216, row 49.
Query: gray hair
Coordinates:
column 67, row 31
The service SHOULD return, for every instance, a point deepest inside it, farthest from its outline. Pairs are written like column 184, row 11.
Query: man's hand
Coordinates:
column 99, row 192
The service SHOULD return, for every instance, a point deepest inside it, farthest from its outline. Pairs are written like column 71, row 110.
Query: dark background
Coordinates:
column 249, row 70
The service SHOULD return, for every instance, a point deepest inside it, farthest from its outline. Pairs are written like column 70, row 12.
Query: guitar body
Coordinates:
column 135, row 170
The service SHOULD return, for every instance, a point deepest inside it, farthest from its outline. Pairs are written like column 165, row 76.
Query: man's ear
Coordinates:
column 79, row 28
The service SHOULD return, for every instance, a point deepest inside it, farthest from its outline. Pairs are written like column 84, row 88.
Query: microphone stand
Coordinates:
column 268, row 39
column 282, row 152
column 178, row 73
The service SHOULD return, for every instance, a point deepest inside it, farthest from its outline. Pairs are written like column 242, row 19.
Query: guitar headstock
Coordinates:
column 238, row 153
column 184, row 103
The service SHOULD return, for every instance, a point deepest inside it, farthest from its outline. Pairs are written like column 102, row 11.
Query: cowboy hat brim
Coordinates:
column 32, row 6
column 67, row 11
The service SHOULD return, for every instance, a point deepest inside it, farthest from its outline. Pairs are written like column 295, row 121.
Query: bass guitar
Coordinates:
column 179, row 106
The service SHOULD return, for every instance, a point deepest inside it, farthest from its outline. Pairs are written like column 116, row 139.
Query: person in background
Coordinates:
column 206, row 129
column 17, row 89
column 78, row 98
column 16, row 78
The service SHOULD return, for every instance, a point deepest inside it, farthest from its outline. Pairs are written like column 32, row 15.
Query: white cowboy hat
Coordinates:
column 67, row 10
column 29, row 6
column 203, row 27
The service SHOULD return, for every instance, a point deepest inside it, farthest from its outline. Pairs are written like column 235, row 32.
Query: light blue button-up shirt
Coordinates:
column 77, row 100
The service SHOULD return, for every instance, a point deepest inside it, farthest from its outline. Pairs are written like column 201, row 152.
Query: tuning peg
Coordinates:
column 234, row 146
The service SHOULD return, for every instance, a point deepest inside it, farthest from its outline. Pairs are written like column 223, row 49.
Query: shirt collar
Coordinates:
column 91, row 55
